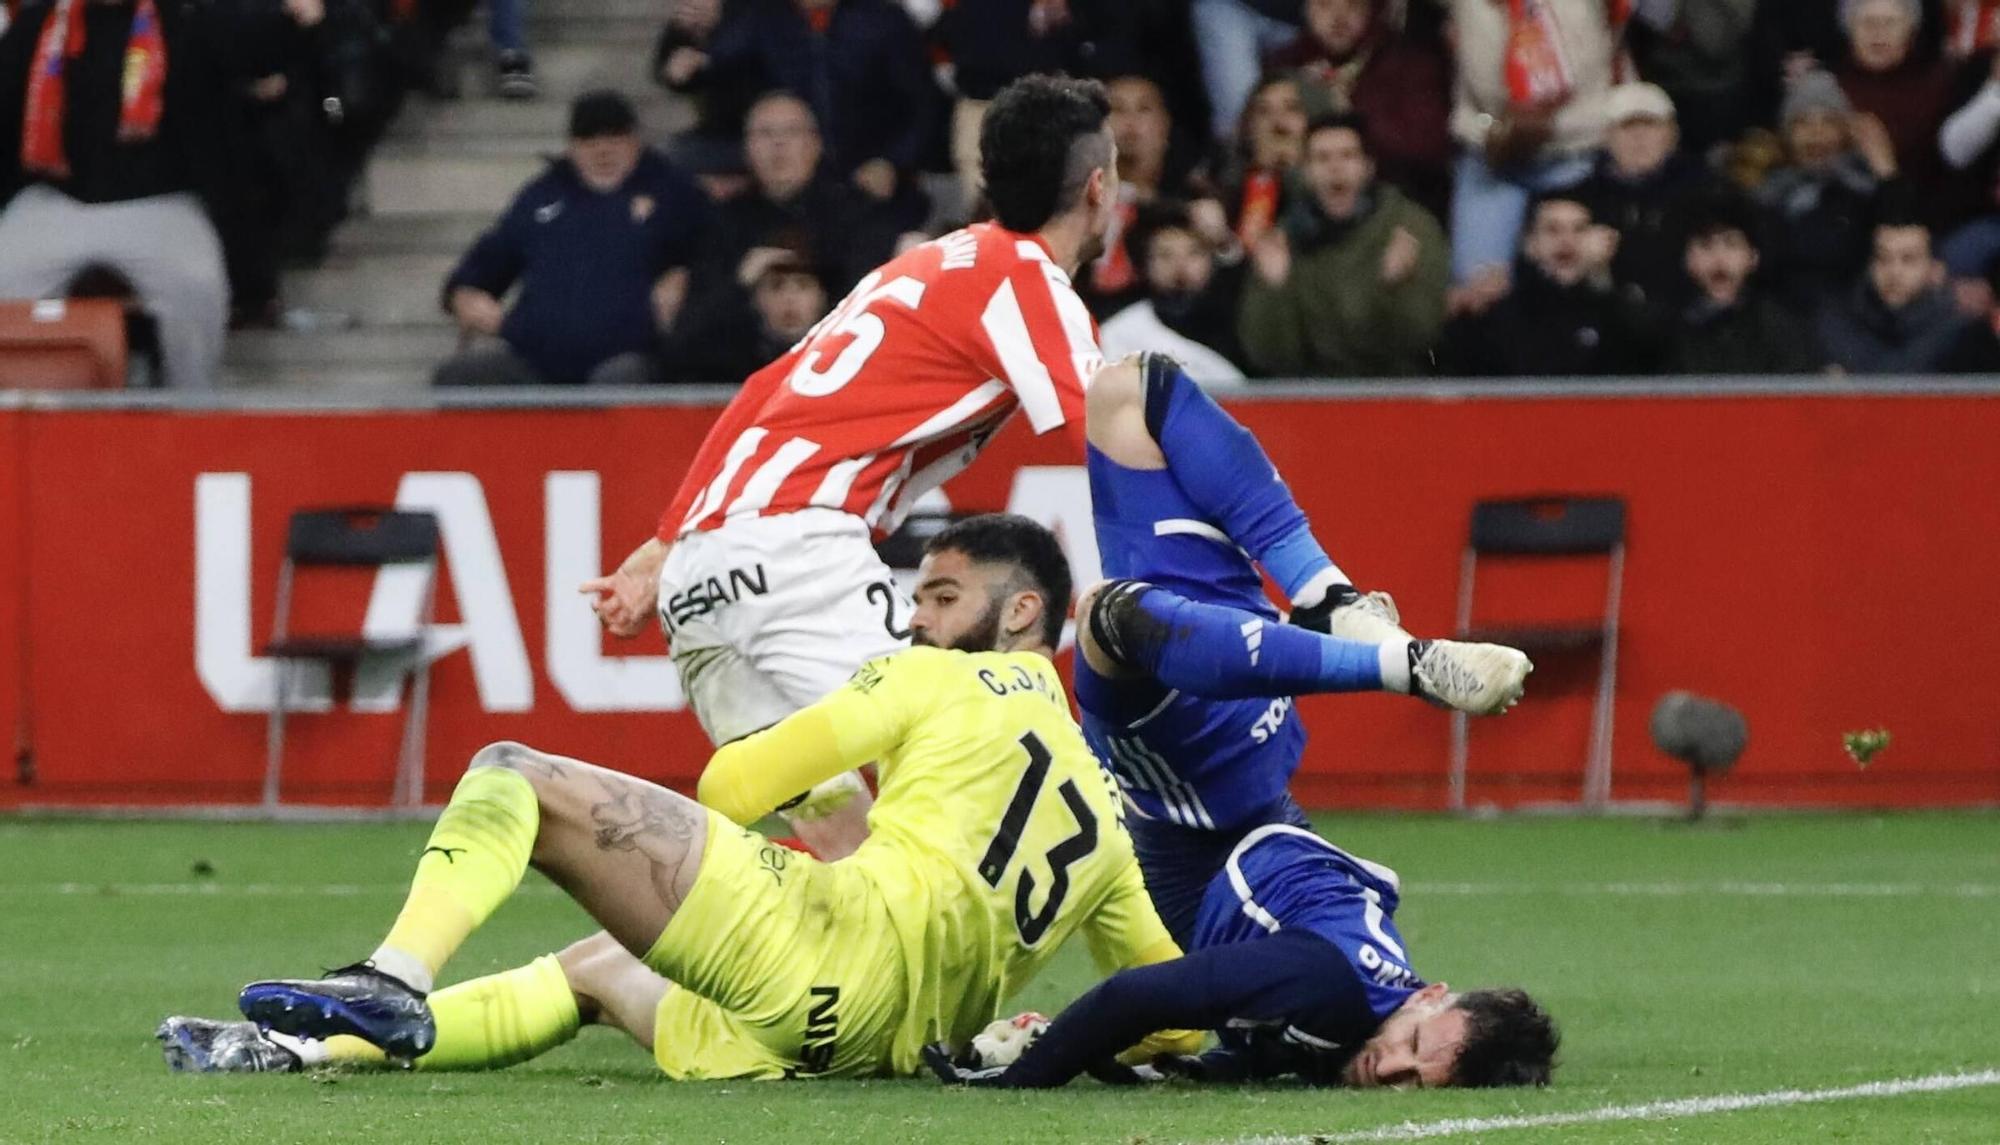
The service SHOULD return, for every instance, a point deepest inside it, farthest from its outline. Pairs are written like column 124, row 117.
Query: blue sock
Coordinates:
column 1223, row 469
column 1229, row 653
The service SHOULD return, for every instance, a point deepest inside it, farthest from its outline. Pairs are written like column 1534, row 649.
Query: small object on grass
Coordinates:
column 1863, row 746
column 202, row 869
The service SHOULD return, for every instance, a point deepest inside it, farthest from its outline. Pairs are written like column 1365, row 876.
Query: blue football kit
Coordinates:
column 1297, row 962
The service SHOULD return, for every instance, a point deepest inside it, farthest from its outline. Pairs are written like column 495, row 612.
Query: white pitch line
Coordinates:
column 1650, row 1111
column 1727, row 889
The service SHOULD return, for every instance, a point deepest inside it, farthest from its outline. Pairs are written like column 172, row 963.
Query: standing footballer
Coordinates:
column 763, row 572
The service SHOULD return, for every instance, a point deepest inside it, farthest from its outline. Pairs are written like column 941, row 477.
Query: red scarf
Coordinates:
column 1538, row 73
column 1259, row 208
column 142, row 89
column 1975, row 27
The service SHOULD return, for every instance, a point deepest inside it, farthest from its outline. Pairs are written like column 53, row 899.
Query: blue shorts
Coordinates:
column 1179, row 862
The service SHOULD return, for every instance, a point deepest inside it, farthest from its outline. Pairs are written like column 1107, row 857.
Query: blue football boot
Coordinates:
column 358, row 1000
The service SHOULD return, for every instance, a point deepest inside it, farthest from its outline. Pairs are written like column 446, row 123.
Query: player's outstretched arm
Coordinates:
column 1204, row 990
column 852, row 726
column 1144, row 412
column 1131, row 628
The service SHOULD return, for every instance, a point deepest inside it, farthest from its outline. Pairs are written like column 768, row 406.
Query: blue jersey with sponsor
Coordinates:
column 1209, row 765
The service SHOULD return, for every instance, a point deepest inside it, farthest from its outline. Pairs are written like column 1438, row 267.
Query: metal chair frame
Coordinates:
column 307, row 543
column 1596, row 792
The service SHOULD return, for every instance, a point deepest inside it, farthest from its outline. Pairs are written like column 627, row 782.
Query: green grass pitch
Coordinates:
column 1773, row 954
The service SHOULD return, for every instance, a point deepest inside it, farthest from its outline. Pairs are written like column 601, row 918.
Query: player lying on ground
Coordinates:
column 762, row 572
column 1184, row 672
column 1299, row 968
column 995, row 837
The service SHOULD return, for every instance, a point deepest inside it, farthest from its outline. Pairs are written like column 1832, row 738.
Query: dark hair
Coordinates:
column 1509, row 1040
column 1718, row 213
column 1896, row 206
column 791, row 264
column 1570, row 194
column 1340, row 121
column 601, row 112
column 1033, row 552
column 1040, row 140
column 1152, row 218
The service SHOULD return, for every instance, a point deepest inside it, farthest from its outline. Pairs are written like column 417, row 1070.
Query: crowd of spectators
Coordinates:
column 183, row 152
column 1317, row 188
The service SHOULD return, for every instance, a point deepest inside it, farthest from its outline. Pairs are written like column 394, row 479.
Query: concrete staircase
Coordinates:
column 444, row 173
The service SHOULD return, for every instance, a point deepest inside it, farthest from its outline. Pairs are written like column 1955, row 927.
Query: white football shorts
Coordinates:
column 767, row 614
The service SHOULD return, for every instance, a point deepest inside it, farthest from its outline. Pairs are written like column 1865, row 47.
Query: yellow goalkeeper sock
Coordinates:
column 476, row 856
column 488, row 1023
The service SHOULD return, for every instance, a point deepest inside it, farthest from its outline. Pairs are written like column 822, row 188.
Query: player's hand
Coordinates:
column 1272, row 257
column 1400, row 257
column 1873, row 142
column 1350, row 614
column 669, row 295
column 949, row 1070
column 876, row 178
column 756, row 261
column 477, row 311
column 682, row 65
column 626, row 600
column 1189, row 1066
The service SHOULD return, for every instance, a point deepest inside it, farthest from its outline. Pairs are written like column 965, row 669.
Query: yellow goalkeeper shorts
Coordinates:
column 785, row 966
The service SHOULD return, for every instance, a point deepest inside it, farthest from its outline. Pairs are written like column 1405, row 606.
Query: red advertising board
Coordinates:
column 1822, row 561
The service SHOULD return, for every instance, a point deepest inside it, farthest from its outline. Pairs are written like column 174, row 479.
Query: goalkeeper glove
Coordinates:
column 990, row 1052
column 1348, row 613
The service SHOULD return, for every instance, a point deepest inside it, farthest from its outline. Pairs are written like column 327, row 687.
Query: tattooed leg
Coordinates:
column 625, row 849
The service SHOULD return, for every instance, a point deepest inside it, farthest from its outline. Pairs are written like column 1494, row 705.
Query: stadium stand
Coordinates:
column 340, row 202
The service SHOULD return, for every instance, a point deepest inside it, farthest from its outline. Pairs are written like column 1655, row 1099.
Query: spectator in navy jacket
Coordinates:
column 598, row 246
column 859, row 64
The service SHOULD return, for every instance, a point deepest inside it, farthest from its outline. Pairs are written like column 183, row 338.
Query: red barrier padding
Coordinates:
column 1822, row 562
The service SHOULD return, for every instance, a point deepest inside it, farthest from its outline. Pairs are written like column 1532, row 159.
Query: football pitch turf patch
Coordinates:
column 1781, row 979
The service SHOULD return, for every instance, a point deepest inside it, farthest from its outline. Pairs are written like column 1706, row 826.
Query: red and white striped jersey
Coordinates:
column 900, row 386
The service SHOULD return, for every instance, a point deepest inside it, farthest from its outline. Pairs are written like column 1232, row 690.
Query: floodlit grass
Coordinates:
column 1778, row 953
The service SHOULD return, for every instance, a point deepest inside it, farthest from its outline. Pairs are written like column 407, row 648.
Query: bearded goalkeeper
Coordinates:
column 995, row 838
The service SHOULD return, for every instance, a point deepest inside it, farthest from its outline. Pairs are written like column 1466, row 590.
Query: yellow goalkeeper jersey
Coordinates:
column 995, row 835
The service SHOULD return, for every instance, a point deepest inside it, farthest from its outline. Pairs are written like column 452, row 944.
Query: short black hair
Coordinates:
column 601, row 112
column 1573, row 193
column 1509, row 1040
column 1029, row 547
column 1340, row 121
column 1038, row 145
column 1151, row 219
column 1720, row 212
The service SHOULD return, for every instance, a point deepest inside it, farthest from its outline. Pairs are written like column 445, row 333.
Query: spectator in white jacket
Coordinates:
column 1189, row 307
column 1529, row 112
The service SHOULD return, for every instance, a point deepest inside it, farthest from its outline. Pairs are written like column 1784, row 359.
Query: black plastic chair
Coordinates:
column 358, row 536
column 1549, row 526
